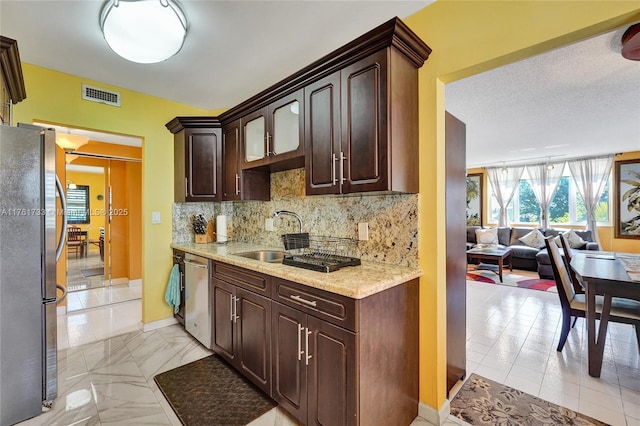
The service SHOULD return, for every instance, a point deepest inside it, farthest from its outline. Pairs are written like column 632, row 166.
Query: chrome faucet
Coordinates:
column 288, row 213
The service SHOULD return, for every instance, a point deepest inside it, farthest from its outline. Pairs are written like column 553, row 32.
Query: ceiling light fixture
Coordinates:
column 144, row 31
column 70, row 142
column 550, row 165
column 631, row 43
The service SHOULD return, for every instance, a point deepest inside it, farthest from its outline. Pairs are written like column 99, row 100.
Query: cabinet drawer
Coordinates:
column 334, row 308
column 241, row 277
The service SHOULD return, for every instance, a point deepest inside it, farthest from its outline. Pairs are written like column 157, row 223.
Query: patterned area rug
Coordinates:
column 481, row 401
column 209, row 392
column 511, row 279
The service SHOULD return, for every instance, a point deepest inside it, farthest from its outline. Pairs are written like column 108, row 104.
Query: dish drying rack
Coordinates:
column 319, row 253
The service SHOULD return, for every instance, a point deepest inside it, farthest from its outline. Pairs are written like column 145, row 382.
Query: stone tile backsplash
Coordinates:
column 393, row 219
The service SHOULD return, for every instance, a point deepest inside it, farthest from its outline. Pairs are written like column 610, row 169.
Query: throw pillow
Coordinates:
column 574, row 240
column 533, row 239
column 487, row 236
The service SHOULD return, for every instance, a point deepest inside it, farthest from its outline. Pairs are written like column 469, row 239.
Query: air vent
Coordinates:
column 95, row 94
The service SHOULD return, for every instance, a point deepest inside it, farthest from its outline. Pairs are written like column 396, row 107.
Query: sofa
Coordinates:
column 526, row 257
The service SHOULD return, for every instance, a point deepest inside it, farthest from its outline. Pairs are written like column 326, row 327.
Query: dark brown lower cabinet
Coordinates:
column 327, row 359
column 313, row 368
column 242, row 331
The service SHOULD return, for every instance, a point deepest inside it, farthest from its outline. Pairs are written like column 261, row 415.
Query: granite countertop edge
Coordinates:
column 356, row 282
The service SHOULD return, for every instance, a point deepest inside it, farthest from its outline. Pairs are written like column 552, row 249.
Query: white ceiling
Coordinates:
column 580, row 100
column 234, row 49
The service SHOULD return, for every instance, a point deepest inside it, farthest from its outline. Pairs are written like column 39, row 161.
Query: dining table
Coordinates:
column 611, row 275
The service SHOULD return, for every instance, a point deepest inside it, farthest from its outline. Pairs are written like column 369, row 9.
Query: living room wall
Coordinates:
column 467, row 38
column 606, row 233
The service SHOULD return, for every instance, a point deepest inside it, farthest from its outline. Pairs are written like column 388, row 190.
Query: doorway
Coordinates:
column 102, row 264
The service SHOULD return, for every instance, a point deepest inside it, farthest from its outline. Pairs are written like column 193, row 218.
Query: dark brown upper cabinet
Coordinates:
column 12, row 89
column 273, row 136
column 197, row 165
column 238, row 184
column 361, row 127
column 350, row 118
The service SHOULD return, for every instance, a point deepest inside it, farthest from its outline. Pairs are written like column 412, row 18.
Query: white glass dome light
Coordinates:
column 144, row 31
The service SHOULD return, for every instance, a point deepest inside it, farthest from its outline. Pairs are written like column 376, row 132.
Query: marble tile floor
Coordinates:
column 100, row 296
column 75, row 279
column 91, row 292
column 512, row 335
column 107, row 363
column 106, row 367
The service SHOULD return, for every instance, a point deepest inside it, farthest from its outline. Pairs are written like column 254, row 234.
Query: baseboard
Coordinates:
column 61, row 310
column 150, row 326
column 433, row 416
column 117, row 281
column 135, row 283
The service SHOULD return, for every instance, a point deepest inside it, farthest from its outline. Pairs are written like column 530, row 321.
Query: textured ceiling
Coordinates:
column 580, row 100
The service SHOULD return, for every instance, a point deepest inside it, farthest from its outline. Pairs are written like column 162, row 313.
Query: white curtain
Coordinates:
column 504, row 181
column 590, row 175
column 544, row 179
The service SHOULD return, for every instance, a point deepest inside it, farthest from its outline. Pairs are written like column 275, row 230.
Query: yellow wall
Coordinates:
column 55, row 97
column 96, row 187
column 468, row 37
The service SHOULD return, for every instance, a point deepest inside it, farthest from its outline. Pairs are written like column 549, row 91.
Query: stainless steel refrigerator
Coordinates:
column 29, row 247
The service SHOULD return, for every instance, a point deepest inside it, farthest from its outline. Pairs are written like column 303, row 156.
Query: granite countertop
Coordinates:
column 356, row 282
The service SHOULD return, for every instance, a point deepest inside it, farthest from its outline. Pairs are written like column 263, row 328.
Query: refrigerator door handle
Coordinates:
column 63, row 232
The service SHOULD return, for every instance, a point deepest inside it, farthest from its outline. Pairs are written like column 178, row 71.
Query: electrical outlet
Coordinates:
column 268, row 224
column 363, row 231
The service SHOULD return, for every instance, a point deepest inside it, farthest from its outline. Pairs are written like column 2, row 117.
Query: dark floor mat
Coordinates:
column 92, row 272
column 210, row 392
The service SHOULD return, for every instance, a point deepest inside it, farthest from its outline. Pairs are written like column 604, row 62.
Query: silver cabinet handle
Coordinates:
column 181, row 281
column 195, row 265
column 268, row 145
column 333, row 168
column 301, row 300
column 300, row 351
column 235, row 308
column 306, row 346
column 231, row 308
column 342, row 163
column 237, row 184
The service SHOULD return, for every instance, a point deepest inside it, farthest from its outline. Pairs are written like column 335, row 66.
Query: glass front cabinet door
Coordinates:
column 274, row 133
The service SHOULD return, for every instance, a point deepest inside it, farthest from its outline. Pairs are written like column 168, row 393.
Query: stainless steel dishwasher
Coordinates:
column 197, row 310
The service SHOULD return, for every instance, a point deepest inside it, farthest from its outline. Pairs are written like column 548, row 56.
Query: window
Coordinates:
column 566, row 207
column 78, row 205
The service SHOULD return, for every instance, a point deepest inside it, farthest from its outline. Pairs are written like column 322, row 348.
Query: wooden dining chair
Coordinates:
column 568, row 252
column 75, row 240
column 625, row 311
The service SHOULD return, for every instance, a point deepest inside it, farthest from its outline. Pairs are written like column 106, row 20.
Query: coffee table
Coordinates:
column 501, row 255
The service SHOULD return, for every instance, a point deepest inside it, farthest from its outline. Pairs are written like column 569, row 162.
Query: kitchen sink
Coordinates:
column 272, row 256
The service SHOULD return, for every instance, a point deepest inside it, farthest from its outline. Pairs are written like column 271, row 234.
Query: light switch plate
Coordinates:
column 268, row 224
column 363, row 231
column 155, row 218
